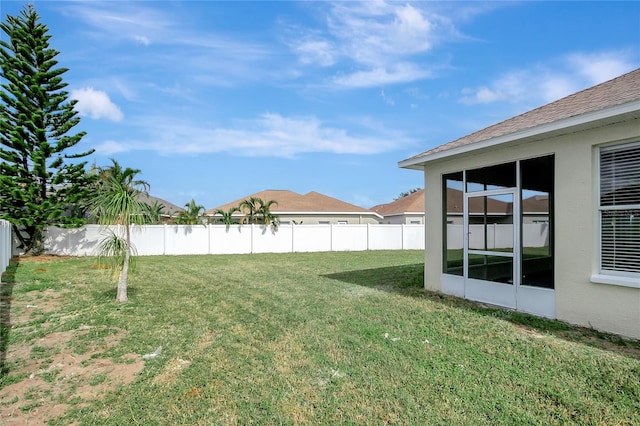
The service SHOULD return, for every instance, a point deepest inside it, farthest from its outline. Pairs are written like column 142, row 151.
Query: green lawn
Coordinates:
column 317, row 338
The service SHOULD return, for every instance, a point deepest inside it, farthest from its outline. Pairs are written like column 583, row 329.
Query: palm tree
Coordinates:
column 226, row 217
column 258, row 211
column 123, row 176
column 155, row 211
column 250, row 209
column 116, row 203
column 191, row 214
column 266, row 215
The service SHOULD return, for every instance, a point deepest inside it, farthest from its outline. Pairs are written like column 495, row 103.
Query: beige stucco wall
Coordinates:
column 404, row 219
column 333, row 219
column 579, row 301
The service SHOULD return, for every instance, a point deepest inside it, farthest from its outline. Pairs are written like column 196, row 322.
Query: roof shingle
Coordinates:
column 289, row 201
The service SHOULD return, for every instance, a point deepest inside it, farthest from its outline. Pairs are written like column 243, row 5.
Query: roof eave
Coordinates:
column 307, row 213
column 405, row 214
column 320, row 213
column 418, row 162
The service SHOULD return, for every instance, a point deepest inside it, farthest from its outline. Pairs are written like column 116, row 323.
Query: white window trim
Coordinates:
column 604, row 276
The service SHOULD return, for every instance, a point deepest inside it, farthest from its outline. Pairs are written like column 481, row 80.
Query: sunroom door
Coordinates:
column 490, row 246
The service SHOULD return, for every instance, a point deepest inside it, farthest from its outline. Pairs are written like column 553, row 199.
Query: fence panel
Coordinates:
column 413, row 237
column 229, row 239
column 151, row 240
column 267, row 239
column 385, row 237
column 186, row 239
column 307, row 238
column 6, row 245
column 349, row 238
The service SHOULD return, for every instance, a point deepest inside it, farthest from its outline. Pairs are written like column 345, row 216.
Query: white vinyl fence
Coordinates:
column 6, row 245
column 237, row 239
column 498, row 236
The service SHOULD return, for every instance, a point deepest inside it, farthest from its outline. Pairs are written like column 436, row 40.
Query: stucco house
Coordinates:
column 169, row 210
column 408, row 210
column 308, row 209
column 569, row 245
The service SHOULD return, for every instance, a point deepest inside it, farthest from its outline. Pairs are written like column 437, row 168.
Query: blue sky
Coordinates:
column 218, row 100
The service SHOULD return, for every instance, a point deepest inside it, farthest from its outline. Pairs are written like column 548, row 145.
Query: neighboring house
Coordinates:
column 307, row 209
column 574, row 167
column 169, row 210
column 408, row 210
column 496, row 211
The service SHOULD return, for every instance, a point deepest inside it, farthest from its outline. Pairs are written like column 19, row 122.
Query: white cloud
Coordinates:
column 122, row 20
column 398, row 73
column 142, row 40
column 110, row 147
column 387, row 99
column 545, row 83
column 601, row 66
column 313, row 52
column 384, row 40
column 270, row 134
column 379, row 33
column 96, row 104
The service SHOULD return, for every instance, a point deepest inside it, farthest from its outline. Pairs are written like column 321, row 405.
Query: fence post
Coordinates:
column 331, row 237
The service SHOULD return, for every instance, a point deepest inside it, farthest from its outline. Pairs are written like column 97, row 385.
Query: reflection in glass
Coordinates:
column 491, row 223
column 500, row 176
column 536, row 176
column 453, row 237
column 491, row 268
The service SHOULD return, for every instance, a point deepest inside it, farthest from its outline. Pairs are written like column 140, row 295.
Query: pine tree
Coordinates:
column 41, row 183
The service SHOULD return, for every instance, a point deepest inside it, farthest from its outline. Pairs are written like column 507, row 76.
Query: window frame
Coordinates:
column 605, row 275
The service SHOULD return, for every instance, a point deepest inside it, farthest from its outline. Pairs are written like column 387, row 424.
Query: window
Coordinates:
column 537, row 203
column 452, row 209
column 619, row 210
column 493, row 222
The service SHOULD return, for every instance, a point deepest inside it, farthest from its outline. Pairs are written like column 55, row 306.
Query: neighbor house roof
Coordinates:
column 597, row 105
column 412, row 203
column 169, row 208
column 292, row 202
column 455, row 204
column 536, row 204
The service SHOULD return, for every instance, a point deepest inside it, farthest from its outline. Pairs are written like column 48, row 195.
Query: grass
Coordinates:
column 321, row 338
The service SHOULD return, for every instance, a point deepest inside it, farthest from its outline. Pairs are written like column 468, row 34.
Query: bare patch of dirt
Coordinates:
column 55, row 378
column 44, row 258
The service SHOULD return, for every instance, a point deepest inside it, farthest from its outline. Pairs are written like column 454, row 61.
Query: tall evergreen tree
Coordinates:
column 41, row 183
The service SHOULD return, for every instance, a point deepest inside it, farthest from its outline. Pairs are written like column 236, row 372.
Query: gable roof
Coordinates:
column 292, row 202
column 603, row 104
column 455, row 204
column 412, row 203
column 536, row 204
column 169, row 209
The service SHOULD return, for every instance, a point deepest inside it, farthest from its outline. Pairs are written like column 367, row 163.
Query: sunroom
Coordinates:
column 541, row 213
